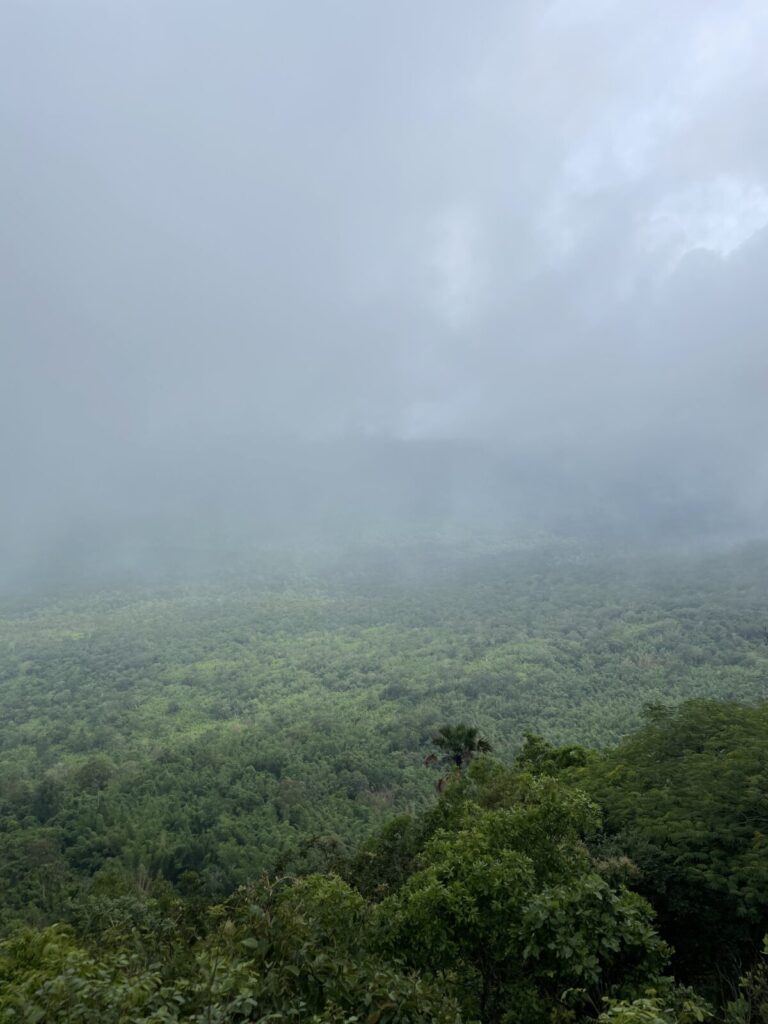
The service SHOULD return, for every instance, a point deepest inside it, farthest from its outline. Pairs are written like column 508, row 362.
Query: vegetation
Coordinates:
column 214, row 805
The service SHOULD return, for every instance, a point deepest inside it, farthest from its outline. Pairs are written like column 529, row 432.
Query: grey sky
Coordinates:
column 536, row 225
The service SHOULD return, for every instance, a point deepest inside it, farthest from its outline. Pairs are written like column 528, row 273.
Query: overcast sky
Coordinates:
column 536, row 225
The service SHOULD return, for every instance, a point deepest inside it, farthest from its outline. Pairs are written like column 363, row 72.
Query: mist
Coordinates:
column 279, row 271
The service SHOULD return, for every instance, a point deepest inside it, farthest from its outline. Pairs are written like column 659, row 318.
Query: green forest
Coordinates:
column 436, row 783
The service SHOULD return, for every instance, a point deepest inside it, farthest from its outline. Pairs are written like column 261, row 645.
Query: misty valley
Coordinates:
column 215, row 804
column 384, row 512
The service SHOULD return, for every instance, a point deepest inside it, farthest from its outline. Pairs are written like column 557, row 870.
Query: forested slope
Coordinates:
column 162, row 746
column 212, row 730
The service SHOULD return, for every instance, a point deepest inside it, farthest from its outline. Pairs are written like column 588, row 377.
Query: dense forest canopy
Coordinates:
column 218, row 801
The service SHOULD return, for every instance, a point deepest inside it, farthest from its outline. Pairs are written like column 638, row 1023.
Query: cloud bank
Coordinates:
column 234, row 231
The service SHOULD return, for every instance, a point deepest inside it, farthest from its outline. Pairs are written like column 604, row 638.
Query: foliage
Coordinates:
column 510, row 895
column 213, row 805
column 280, row 953
column 677, row 1006
column 751, row 1003
column 460, row 743
column 685, row 798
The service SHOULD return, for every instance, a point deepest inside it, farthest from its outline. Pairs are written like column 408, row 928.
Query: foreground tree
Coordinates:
column 278, row 951
column 458, row 746
column 685, row 799
column 507, row 899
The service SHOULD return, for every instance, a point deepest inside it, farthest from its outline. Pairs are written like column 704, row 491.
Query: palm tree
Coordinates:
column 458, row 744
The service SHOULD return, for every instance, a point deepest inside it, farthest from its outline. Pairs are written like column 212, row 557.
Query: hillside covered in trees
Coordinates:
column 215, row 806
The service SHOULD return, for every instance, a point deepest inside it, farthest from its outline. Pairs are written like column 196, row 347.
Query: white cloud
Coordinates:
column 718, row 215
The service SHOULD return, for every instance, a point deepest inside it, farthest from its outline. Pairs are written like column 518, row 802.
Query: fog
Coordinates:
column 274, row 269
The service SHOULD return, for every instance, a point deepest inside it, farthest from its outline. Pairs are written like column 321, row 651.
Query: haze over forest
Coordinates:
column 275, row 271
column 384, row 512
